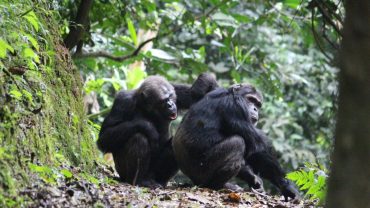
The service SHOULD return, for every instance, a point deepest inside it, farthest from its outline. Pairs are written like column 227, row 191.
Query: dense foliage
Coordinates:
column 286, row 48
column 269, row 44
column 312, row 179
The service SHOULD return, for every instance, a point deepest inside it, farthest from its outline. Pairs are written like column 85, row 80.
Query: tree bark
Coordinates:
column 42, row 117
column 78, row 27
column 349, row 183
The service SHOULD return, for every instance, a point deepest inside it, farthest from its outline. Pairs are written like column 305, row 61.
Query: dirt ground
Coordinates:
column 81, row 193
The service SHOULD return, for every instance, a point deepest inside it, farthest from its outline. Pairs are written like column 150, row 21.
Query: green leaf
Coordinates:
column 3, row 47
column 29, row 53
column 15, row 94
column 236, row 76
column 66, row 173
column 321, row 181
column 312, row 190
column 28, row 96
column 161, row 54
column 33, row 42
column 242, row 18
column 131, row 29
column 32, row 19
column 93, row 85
column 202, row 52
column 224, row 20
column 312, row 180
column 188, row 18
column 90, row 178
column 311, row 176
column 40, row 169
column 134, row 77
column 292, row 3
column 292, row 176
column 307, row 185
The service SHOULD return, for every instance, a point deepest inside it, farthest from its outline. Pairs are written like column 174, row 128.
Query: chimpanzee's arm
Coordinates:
column 234, row 121
column 188, row 95
column 246, row 173
column 112, row 138
column 121, row 124
column 265, row 164
column 184, row 99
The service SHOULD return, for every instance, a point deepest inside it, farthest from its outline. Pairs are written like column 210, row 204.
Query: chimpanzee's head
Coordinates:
column 252, row 97
column 157, row 97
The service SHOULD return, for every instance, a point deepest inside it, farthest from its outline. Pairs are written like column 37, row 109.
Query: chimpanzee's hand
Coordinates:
column 257, row 184
column 202, row 85
column 288, row 190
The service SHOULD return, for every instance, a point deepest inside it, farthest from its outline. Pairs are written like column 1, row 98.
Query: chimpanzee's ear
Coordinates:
column 235, row 88
column 143, row 96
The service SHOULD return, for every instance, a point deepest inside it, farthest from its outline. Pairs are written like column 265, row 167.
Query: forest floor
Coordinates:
column 78, row 192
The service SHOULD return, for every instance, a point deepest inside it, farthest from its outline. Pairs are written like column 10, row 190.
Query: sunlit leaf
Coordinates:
column 15, row 94
column 161, row 54
column 149, row 5
column 292, row 3
column 29, row 53
column 93, row 85
column 3, row 47
column 66, row 173
column 224, row 20
column 32, row 19
column 33, row 42
column 134, row 77
column 131, row 29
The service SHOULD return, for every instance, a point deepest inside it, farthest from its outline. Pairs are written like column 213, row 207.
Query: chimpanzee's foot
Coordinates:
column 257, row 185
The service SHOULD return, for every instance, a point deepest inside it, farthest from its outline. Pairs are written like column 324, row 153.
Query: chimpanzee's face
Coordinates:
column 161, row 102
column 167, row 103
column 254, row 105
column 253, row 100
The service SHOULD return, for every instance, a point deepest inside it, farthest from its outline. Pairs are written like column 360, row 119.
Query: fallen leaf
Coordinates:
column 234, row 197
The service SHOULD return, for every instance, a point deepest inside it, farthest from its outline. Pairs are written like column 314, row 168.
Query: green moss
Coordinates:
column 41, row 108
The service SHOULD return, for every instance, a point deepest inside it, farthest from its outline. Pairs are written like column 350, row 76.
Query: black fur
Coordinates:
column 217, row 140
column 136, row 131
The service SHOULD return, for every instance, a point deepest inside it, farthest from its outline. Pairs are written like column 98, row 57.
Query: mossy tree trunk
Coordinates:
column 42, row 118
column 349, row 184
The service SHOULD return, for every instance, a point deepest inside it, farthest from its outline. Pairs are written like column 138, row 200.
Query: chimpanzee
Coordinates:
column 217, row 139
column 136, row 129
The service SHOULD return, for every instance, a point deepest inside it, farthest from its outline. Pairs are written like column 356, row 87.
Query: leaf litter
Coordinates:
column 79, row 192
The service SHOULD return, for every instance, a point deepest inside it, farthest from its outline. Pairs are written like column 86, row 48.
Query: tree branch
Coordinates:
column 105, row 54
column 101, row 113
column 316, row 36
column 77, row 28
column 327, row 17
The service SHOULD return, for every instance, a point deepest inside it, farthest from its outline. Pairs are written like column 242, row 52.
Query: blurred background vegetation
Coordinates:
column 285, row 48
